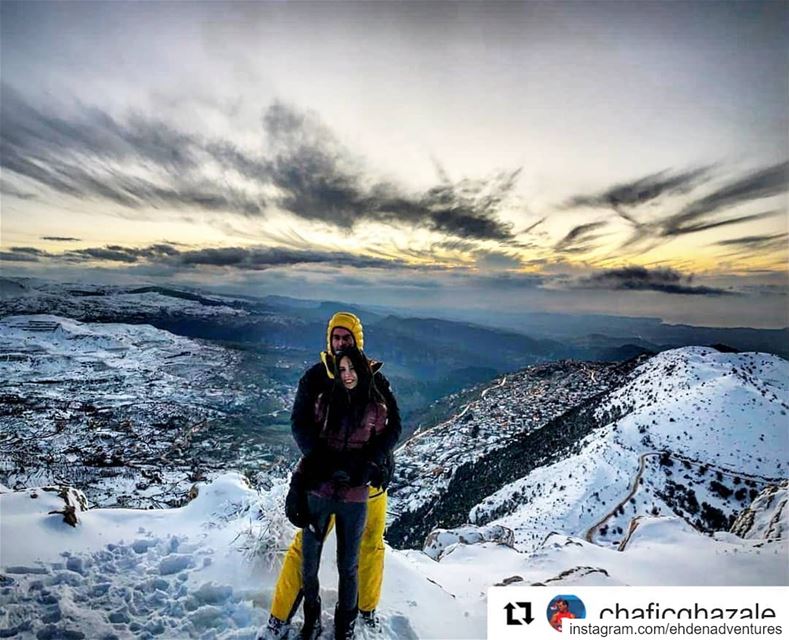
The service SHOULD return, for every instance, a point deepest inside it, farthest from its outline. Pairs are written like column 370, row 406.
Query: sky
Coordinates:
column 608, row 157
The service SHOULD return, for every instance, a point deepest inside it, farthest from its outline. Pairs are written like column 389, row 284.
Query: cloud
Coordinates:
column 763, row 183
column 760, row 245
column 321, row 180
column 144, row 163
column 266, row 258
column 580, row 239
column 643, row 190
column 29, row 250
column 7, row 189
column 10, row 256
column 242, row 258
column 534, row 225
column 140, row 163
column 60, row 239
column 701, row 214
column 636, row 278
column 496, row 261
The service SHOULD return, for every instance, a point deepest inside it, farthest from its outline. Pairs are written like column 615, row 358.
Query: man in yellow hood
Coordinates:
column 344, row 330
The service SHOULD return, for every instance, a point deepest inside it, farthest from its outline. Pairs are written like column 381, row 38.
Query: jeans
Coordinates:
column 349, row 520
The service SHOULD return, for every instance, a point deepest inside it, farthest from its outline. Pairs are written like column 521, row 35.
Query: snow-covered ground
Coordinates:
column 89, row 301
column 513, row 405
column 125, row 412
column 188, row 573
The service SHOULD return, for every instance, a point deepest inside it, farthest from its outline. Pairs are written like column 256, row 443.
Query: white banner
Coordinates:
column 619, row 613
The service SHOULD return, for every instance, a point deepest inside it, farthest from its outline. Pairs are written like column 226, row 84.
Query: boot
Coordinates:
column 276, row 629
column 344, row 623
column 370, row 619
column 312, row 621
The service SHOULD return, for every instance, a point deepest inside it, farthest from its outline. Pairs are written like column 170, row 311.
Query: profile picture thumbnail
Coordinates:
column 563, row 607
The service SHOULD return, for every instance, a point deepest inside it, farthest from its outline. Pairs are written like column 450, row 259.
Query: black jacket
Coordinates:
column 316, row 381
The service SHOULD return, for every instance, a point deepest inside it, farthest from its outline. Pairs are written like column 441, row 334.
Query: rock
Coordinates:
column 439, row 540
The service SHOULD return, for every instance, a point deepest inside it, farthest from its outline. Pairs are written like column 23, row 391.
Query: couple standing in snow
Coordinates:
column 346, row 422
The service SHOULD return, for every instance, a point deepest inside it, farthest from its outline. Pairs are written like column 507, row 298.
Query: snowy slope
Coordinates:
column 700, row 433
column 446, row 466
column 183, row 573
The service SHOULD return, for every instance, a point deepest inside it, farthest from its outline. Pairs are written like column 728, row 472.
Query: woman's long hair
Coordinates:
column 356, row 399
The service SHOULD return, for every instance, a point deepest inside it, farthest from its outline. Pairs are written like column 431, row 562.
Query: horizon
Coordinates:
column 392, row 310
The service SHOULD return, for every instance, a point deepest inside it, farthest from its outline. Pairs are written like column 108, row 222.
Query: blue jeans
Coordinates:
column 349, row 520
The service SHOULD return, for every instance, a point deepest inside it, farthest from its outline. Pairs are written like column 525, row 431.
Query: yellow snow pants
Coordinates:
column 287, row 594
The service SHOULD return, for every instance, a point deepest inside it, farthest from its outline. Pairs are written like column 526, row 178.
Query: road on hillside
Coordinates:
column 633, row 488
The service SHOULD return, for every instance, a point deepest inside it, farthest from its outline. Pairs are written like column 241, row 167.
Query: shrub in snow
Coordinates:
column 269, row 531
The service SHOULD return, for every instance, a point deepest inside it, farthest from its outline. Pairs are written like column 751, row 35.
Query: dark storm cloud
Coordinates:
column 60, row 239
column 580, row 239
column 322, row 181
column 642, row 279
column 95, row 156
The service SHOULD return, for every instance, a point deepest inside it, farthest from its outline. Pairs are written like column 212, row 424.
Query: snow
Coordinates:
column 183, row 573
column 682, row 416
column 208, row 569
column 114, row 408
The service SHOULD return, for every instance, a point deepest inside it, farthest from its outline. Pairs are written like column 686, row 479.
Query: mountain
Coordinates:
column 131, row 414
column 520, row 422
column 692, row 433
column 425, row 359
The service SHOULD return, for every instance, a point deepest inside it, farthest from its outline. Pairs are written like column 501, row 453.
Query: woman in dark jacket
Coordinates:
column 350, row 421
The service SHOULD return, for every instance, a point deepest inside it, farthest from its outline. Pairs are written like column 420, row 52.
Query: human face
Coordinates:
column 341, row 339
column 347, row 373
column 562, row 606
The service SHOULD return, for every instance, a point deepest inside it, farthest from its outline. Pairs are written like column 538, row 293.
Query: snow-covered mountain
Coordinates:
column 131, row 414
column 699, row 434
column 91, row 301
column 520, row 422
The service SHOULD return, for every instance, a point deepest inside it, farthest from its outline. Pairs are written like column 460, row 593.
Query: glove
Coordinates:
column 341, row 478
column 380, row 471
column 296, row 507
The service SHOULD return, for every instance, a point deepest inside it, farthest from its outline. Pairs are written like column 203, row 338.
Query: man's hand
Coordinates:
column 341, row 478
column 380, row 474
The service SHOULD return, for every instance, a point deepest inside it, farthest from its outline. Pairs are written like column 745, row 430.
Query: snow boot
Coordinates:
column 276, row 629
column 312, row 621
column 344, row 623
column 370, row 620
